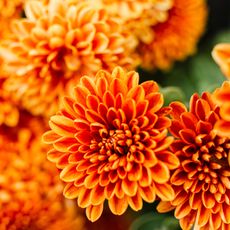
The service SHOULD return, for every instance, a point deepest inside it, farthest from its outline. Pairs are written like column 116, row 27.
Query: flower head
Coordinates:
column 176, row 38
column 30, row 189
column 221, row 54
column 202, row 182
column 110, row 142
column 138, row 16
column 54, row 45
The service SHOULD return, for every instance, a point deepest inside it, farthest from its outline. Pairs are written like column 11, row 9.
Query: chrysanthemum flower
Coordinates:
column 30, row 190
column 54, row 45
column 202, row 182
column 110, row 141
column 221, row 54
column 138, row 16
column 177, row 37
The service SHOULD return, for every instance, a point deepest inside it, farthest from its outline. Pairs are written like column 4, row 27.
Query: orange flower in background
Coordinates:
column 55, row 44
column 202, row 182
column 177, row 37
column 10, row 10
column 138, row 16
column 110, row 141
column 221, row 54
column 30, row 189
column 222, row 98
column 9, row 114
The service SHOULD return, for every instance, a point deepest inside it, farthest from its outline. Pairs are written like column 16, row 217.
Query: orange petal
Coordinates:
column 117, row 86
column 188, row 136
column 150, row 87
column 91, row 180
column 97, row 195
column 71, row 191
column 62, row 126
column 165, row 192
column 80, row 94
column 93, row 212
column 208, row 199
column 169, row 159
column 146, row 179
column 129, row 187
column 84, row 197
column 164, row 206
column 118, row 206
column 189, row 120
column 223, row 128
column 225, row 213
column 160, row 173
column 155, row 102
column 203, row 215
column 137, row 94
column 129, row 109
column 69, row 173
column 182, row 210
column 202, row 109
column 148, row 193
column 88, row 83
column 135, row 202
column 53, row 155
column 177, row 109
column 49, row 137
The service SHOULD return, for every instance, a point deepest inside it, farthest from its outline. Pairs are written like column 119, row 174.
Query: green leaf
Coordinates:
column 155, row 221
column 172, row 93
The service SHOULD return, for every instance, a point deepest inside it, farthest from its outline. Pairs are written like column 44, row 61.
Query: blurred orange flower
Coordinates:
column 110, row 141
column 177, row 37
column 138, row 16
column 222, row 98
column 30, row 190
column 10, row 10
column 9, row 114
column 54, row 45
column 221, row 54
column 202, row 182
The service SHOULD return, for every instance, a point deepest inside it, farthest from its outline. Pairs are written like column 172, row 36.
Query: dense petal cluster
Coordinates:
column 9, row 114
column 30, row 190
column 110, row 142
column 10, row 10
column 221, row 54
column 177, row 37
column 202, row 182
column 138, row 16
column 56, row 43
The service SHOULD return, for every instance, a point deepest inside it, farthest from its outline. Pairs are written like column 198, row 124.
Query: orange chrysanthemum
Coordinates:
column 30, row 190
column 138, row 16
column 10, row 10
column 176, row 38
column 221, row 54
column 57, row 43
column 222, row 98
column 110, row 141
column 202, row 182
